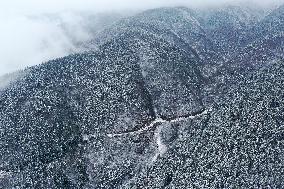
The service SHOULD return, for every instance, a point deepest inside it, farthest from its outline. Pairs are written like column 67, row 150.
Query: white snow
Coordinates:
column 159, row 120
column 3, row 174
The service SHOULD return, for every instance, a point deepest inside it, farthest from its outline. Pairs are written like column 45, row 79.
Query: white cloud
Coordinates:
column 29, row 37
column 28, row 41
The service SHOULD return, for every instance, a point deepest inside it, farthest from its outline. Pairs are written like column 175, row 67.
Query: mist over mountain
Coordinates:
column 48, row 29
column 168, row 97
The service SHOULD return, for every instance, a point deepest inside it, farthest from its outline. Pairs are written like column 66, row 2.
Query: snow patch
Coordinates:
column 157, row 121
column 162, row 148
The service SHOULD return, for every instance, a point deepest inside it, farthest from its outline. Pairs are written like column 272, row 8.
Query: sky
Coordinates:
column 35, row 31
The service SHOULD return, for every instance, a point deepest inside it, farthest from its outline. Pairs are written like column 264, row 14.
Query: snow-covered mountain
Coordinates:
column 168, row 98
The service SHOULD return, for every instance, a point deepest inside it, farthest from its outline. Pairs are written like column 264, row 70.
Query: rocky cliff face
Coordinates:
column 155, row 103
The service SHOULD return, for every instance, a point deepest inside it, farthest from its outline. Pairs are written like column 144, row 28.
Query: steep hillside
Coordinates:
column 260, row 45
column 227, row 26
column 66, row 108
column 238, row 144
column 265, row 41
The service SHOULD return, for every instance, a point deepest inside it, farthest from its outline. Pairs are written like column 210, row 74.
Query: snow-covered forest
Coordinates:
column 169, row 97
